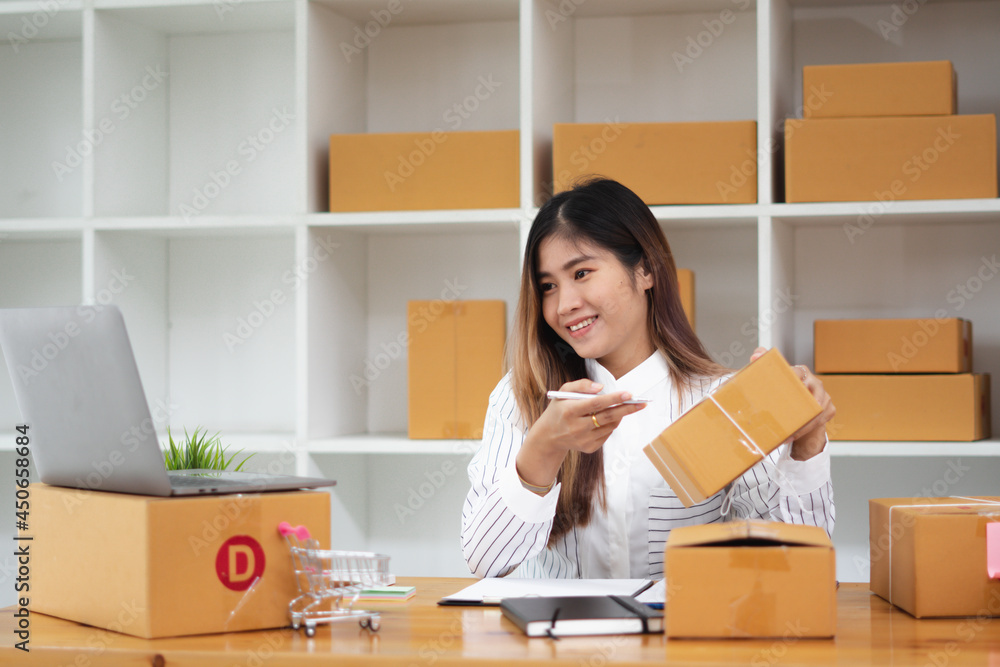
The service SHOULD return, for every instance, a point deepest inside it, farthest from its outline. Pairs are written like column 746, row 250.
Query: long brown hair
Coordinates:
column 608, row 215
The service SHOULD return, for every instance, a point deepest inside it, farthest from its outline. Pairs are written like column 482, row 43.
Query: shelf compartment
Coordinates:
column 413, row 74
column 199, row 104
column 222, row 358
column 41, row 138
column 357, row 322
column 832, row 32
column 948, row 269
column 613, row 63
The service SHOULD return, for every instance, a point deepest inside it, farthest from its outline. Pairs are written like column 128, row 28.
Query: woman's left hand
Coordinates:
column 809, row 440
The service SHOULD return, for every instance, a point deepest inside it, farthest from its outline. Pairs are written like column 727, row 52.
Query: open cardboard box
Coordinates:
column 750, row 579
column 163, row 567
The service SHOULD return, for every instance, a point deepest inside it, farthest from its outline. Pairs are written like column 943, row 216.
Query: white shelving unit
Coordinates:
column 170, row 157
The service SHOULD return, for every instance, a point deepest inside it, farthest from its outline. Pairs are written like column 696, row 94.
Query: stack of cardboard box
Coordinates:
column 902, row 379
column 886, row 132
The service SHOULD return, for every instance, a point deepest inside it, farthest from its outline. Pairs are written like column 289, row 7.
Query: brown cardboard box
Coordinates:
column 750, row 579
column 725, row 434
column 889, row 159
column 928, row 555
column 663, row 163
column 909, row 407
column 685, row 284
column 164, row 567
column 424, row 170
column 879, row 89
column 455, row 361
column 925, row 345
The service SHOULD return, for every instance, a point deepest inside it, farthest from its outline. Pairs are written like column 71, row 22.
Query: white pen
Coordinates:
column 577, row 395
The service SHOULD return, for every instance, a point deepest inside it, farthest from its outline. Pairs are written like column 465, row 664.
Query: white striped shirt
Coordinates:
column 505, row 527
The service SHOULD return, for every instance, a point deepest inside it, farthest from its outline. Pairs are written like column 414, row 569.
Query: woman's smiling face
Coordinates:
column 594, row 303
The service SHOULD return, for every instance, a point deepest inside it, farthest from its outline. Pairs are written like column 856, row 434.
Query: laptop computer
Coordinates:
column 78, row 388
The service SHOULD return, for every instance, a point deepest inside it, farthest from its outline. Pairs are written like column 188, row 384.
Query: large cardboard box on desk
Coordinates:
column 663, row 163
column 923, row 345
column 879, row 89
column 424, row 170
column 891, row 158
column 163, row 567
column 726, row 433
column 455, row 361
column 931, row 556
column 750, row 579
column 909, row 407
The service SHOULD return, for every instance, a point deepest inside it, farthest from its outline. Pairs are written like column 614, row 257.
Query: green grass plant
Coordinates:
column 199, row 450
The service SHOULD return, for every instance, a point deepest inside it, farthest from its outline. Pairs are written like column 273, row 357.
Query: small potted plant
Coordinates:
column 199, row 450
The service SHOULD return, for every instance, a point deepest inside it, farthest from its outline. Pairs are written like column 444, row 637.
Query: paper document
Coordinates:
column 491, row 591
column 655, row 596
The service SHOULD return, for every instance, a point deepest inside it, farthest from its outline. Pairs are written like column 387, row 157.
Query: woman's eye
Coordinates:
column 581, row 273
column 547, row 287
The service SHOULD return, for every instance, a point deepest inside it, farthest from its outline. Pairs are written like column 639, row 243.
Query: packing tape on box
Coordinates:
column 250, row 515
column 975, row 502
column 756, row 609
column 756, row 450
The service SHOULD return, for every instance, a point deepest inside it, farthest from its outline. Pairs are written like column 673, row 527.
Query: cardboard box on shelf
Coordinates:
column 726, row 433
column 424, row 171
column 879, row 89
column 929, row 555
column 685, row 284
column 923, row 345
column 909, row 407
column 891, row 158
column 164, row 567
column 663, row 163
column 455, row 361
column 750, row 579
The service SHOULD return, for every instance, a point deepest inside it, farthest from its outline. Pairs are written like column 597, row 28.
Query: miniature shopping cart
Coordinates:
column 330, row 581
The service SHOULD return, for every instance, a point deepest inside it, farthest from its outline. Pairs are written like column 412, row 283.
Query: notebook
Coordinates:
column 586, row 615
column 78, row 388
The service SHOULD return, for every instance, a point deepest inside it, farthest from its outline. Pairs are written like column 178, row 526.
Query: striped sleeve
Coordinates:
column 503, row 524
column 782, row 489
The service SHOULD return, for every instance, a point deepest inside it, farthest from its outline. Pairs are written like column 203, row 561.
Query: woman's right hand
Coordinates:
column 570, row 424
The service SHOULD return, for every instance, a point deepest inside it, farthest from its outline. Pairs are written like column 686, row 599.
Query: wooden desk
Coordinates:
column 419, row 633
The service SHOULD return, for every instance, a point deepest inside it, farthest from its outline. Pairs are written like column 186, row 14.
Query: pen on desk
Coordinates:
column 570, row 395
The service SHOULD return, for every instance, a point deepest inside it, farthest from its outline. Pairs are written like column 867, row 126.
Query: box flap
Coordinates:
column 775, row 532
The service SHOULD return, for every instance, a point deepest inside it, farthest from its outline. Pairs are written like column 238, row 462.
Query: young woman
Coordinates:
column 561, row 488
